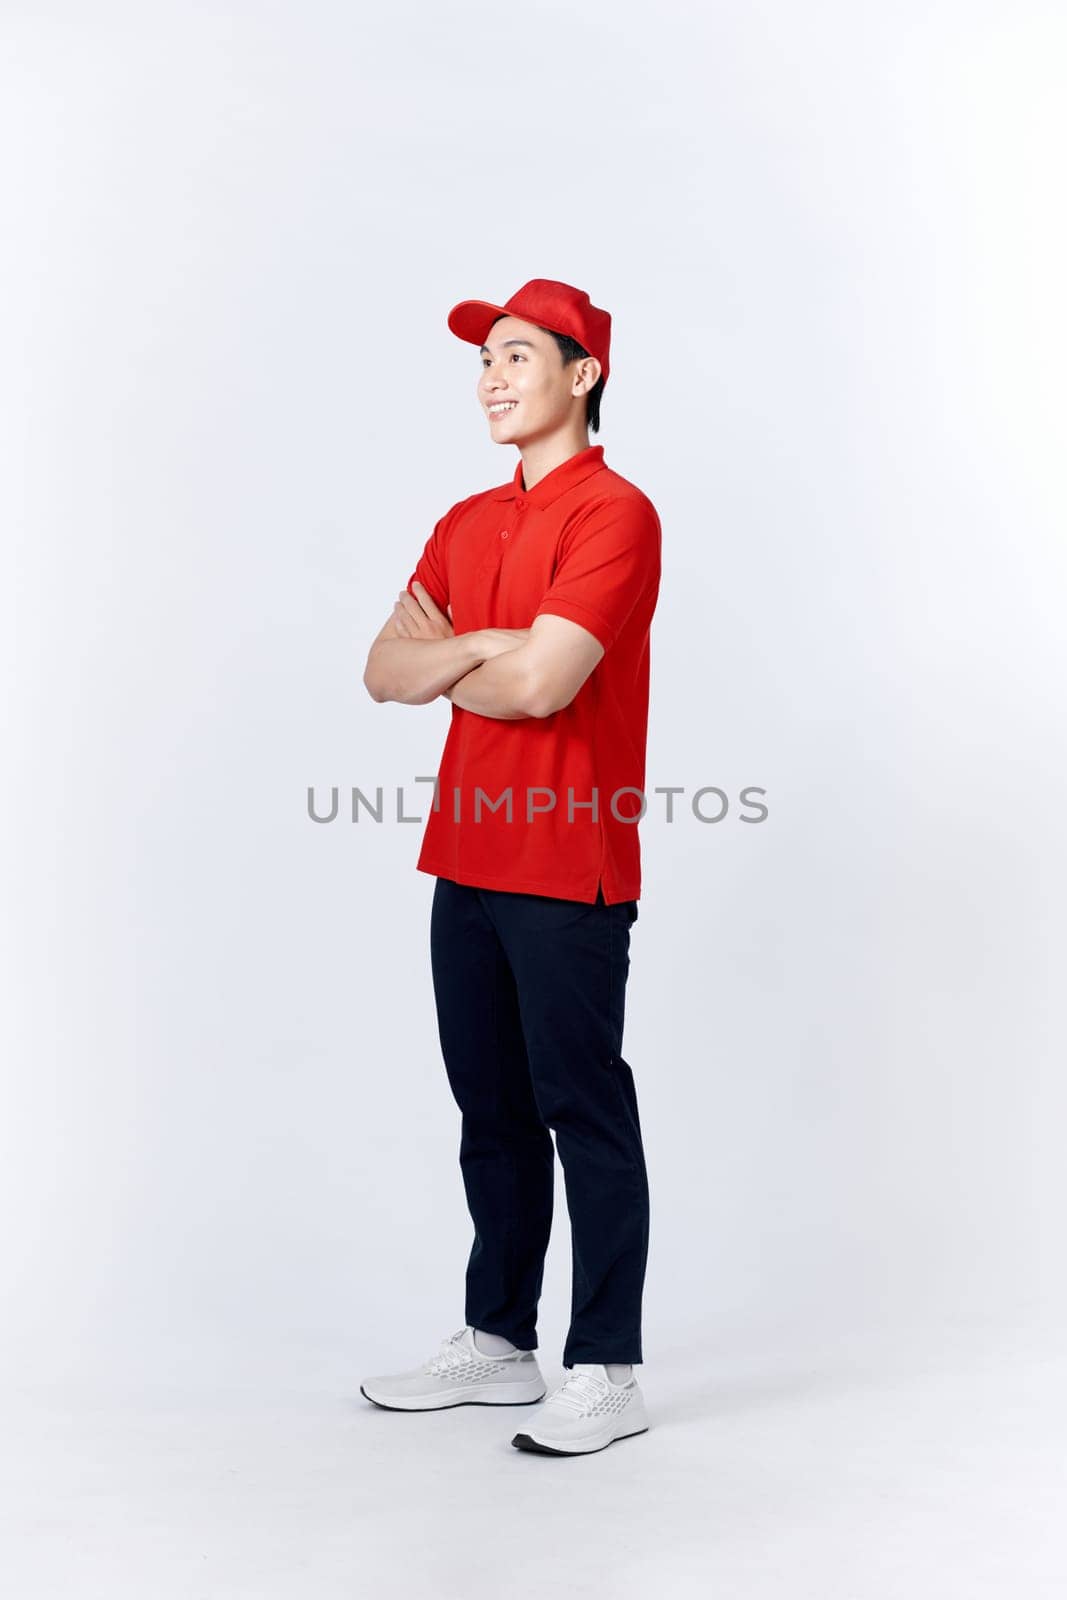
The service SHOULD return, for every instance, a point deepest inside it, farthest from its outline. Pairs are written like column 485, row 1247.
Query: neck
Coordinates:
column 542, row 456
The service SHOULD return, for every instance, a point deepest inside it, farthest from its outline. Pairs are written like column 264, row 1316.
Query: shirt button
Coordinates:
column 503, row 533
column 520, row 502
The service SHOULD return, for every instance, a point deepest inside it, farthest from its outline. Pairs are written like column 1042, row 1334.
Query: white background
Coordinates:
column 831, row 237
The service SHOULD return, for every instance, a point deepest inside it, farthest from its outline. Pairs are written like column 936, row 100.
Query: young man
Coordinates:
column 530, row 610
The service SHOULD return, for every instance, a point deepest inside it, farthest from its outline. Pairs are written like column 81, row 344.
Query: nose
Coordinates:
column 490, row 378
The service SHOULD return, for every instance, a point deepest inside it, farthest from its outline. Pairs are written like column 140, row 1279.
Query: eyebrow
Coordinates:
column 485, row 350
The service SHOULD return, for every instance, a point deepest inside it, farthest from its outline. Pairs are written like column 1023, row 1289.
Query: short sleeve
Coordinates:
column 610, row 560
column 432, row 566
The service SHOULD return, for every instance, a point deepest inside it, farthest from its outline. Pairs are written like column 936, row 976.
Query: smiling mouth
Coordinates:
column 502, row 410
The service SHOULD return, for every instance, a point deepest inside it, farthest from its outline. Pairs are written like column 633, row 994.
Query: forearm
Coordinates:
column 501, row 687
column 416, row 671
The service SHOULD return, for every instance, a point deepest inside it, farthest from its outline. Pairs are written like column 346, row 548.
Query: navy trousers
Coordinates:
column 530, row 994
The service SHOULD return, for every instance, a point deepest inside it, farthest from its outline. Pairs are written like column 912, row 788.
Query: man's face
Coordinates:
column 523, row 374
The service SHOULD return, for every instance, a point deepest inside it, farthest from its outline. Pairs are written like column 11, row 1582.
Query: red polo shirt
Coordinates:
column 583, row 543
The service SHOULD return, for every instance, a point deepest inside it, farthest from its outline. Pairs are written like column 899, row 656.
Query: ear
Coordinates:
column 589, row 370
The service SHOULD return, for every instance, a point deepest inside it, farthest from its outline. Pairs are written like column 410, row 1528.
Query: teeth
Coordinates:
column 498, row 410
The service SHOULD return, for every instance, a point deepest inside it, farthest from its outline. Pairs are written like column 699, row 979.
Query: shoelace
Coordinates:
column 450, row 1356
column 579, row 1389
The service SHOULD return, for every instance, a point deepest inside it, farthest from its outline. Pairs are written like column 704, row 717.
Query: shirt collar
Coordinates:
column 554, row 483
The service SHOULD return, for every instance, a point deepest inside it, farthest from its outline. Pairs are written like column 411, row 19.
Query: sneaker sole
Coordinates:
column 526, row 1441
column 431, row 1403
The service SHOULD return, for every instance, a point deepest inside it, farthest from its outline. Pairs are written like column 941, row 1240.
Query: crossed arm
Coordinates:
column 497, row 672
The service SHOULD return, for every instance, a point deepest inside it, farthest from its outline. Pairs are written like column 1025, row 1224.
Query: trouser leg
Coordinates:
column 571, row 962
column 506, row 1153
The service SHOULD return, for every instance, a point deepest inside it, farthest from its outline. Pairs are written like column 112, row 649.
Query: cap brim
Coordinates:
column 472, row 319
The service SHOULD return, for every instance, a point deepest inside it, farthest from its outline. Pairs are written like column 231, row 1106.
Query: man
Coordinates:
column 530, row 610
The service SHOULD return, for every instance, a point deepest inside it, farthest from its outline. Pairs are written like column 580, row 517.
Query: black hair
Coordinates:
column 571, row 350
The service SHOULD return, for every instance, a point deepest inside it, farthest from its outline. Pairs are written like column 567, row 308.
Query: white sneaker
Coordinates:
column 586, row 1413
column 460, row 1375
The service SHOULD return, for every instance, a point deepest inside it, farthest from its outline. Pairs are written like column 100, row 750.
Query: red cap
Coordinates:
column 557, row 306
